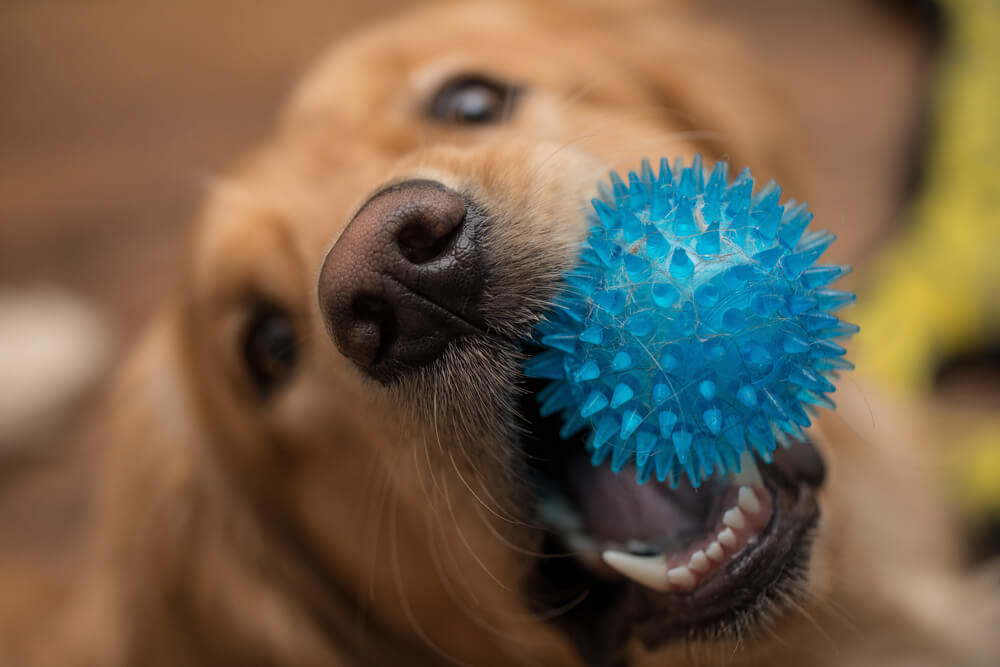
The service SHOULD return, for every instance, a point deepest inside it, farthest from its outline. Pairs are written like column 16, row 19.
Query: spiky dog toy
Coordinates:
column 696, row 325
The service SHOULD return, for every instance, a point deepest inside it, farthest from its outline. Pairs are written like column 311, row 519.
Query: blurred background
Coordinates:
column 115, row 113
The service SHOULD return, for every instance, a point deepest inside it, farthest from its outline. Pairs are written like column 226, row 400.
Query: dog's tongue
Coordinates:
column 616, row 508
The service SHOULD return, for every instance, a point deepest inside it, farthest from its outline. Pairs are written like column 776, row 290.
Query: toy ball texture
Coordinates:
column 696, row 326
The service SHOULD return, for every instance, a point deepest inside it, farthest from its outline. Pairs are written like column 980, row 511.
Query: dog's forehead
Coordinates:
column 397, row 62
column 363, row 108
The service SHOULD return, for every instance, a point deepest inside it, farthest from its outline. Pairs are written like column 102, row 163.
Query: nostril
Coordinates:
column 371, row 329
column 427, row 222
column 420, row 243
column 370, row 308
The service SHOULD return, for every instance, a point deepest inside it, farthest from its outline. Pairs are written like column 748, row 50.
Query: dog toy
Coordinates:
column 696, row 326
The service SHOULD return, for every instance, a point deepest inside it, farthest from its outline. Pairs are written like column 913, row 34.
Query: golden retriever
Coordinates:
column 323, row 451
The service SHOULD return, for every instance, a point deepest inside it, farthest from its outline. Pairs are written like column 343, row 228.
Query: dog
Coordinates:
column 323, row 451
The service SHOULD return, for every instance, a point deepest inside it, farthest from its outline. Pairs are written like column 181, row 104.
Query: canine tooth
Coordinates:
column 727, row 538
column 715, row 552
column 649, row 571
column 747, row 500
column 699, row 561
column 734, row 519
column 682, row 577
column 749, row 475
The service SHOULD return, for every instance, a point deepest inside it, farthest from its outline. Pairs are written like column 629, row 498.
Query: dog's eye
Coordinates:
column 270, row 347
column 474, row 100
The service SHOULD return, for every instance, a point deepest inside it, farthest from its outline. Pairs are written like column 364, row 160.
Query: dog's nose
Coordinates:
column 404, row 279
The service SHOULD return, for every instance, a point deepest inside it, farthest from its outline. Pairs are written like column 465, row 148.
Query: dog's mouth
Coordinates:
column 626, row 560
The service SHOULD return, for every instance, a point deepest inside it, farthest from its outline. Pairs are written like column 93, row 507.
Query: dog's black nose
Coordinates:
column 404, row 279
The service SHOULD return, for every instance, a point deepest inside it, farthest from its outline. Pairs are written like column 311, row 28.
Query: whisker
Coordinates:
column 518, row 549
column 790, row 601
column 404, row 599
column 447, row 499
column 437, row 537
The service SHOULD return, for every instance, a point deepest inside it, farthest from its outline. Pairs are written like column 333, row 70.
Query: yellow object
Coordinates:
column 937, row 291
column 977, row 466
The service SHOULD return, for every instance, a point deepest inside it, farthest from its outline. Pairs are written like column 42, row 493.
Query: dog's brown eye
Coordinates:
column 473, row 99
column 270, row 348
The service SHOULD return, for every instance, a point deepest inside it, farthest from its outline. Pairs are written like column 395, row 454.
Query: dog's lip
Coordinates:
column 756, row 531
column 728, row 602
column 748, row 580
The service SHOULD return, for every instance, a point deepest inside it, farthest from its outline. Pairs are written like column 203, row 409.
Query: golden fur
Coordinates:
column 342, row 523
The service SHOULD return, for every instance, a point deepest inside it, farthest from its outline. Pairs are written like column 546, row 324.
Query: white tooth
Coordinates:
column 649, row 571
column 715, row 552
column 749, row 474
column 558, row 513
column 748, row 500
column 699, row 561
column 681, row 577
column 727, row 538
column 734, row 519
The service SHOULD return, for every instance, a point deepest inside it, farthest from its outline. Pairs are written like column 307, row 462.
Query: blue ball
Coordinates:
column 695, row 327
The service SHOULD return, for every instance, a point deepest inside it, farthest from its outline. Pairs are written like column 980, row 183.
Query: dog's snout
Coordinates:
column 404, row 279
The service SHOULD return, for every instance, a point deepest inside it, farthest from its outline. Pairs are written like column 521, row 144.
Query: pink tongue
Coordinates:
column 617, row 508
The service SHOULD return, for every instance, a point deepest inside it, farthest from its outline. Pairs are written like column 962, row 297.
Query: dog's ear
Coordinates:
column 175, row 547
column 180, row 545
column 148, row 411
column 149, row 440
column 143, row 435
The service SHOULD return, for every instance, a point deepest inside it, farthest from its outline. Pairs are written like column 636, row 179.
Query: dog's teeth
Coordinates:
column 650, row 571
column 748, row 500
column 727, row 538
column 699, row 562
column 681, row 577
column 714, row 551
column 734, row 519
column 749, row 475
